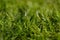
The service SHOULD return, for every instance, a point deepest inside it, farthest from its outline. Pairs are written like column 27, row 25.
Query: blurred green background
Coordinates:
column 29, row 19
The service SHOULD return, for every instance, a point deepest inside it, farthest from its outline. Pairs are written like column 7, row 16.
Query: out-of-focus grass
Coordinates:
column 29, row 19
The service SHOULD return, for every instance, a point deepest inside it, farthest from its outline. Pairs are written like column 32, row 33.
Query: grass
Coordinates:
column 29, row 19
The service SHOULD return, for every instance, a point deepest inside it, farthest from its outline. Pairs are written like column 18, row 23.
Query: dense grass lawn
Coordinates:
column 29, row 19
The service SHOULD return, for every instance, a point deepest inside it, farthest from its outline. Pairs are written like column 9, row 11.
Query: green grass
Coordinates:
column 29, row 19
